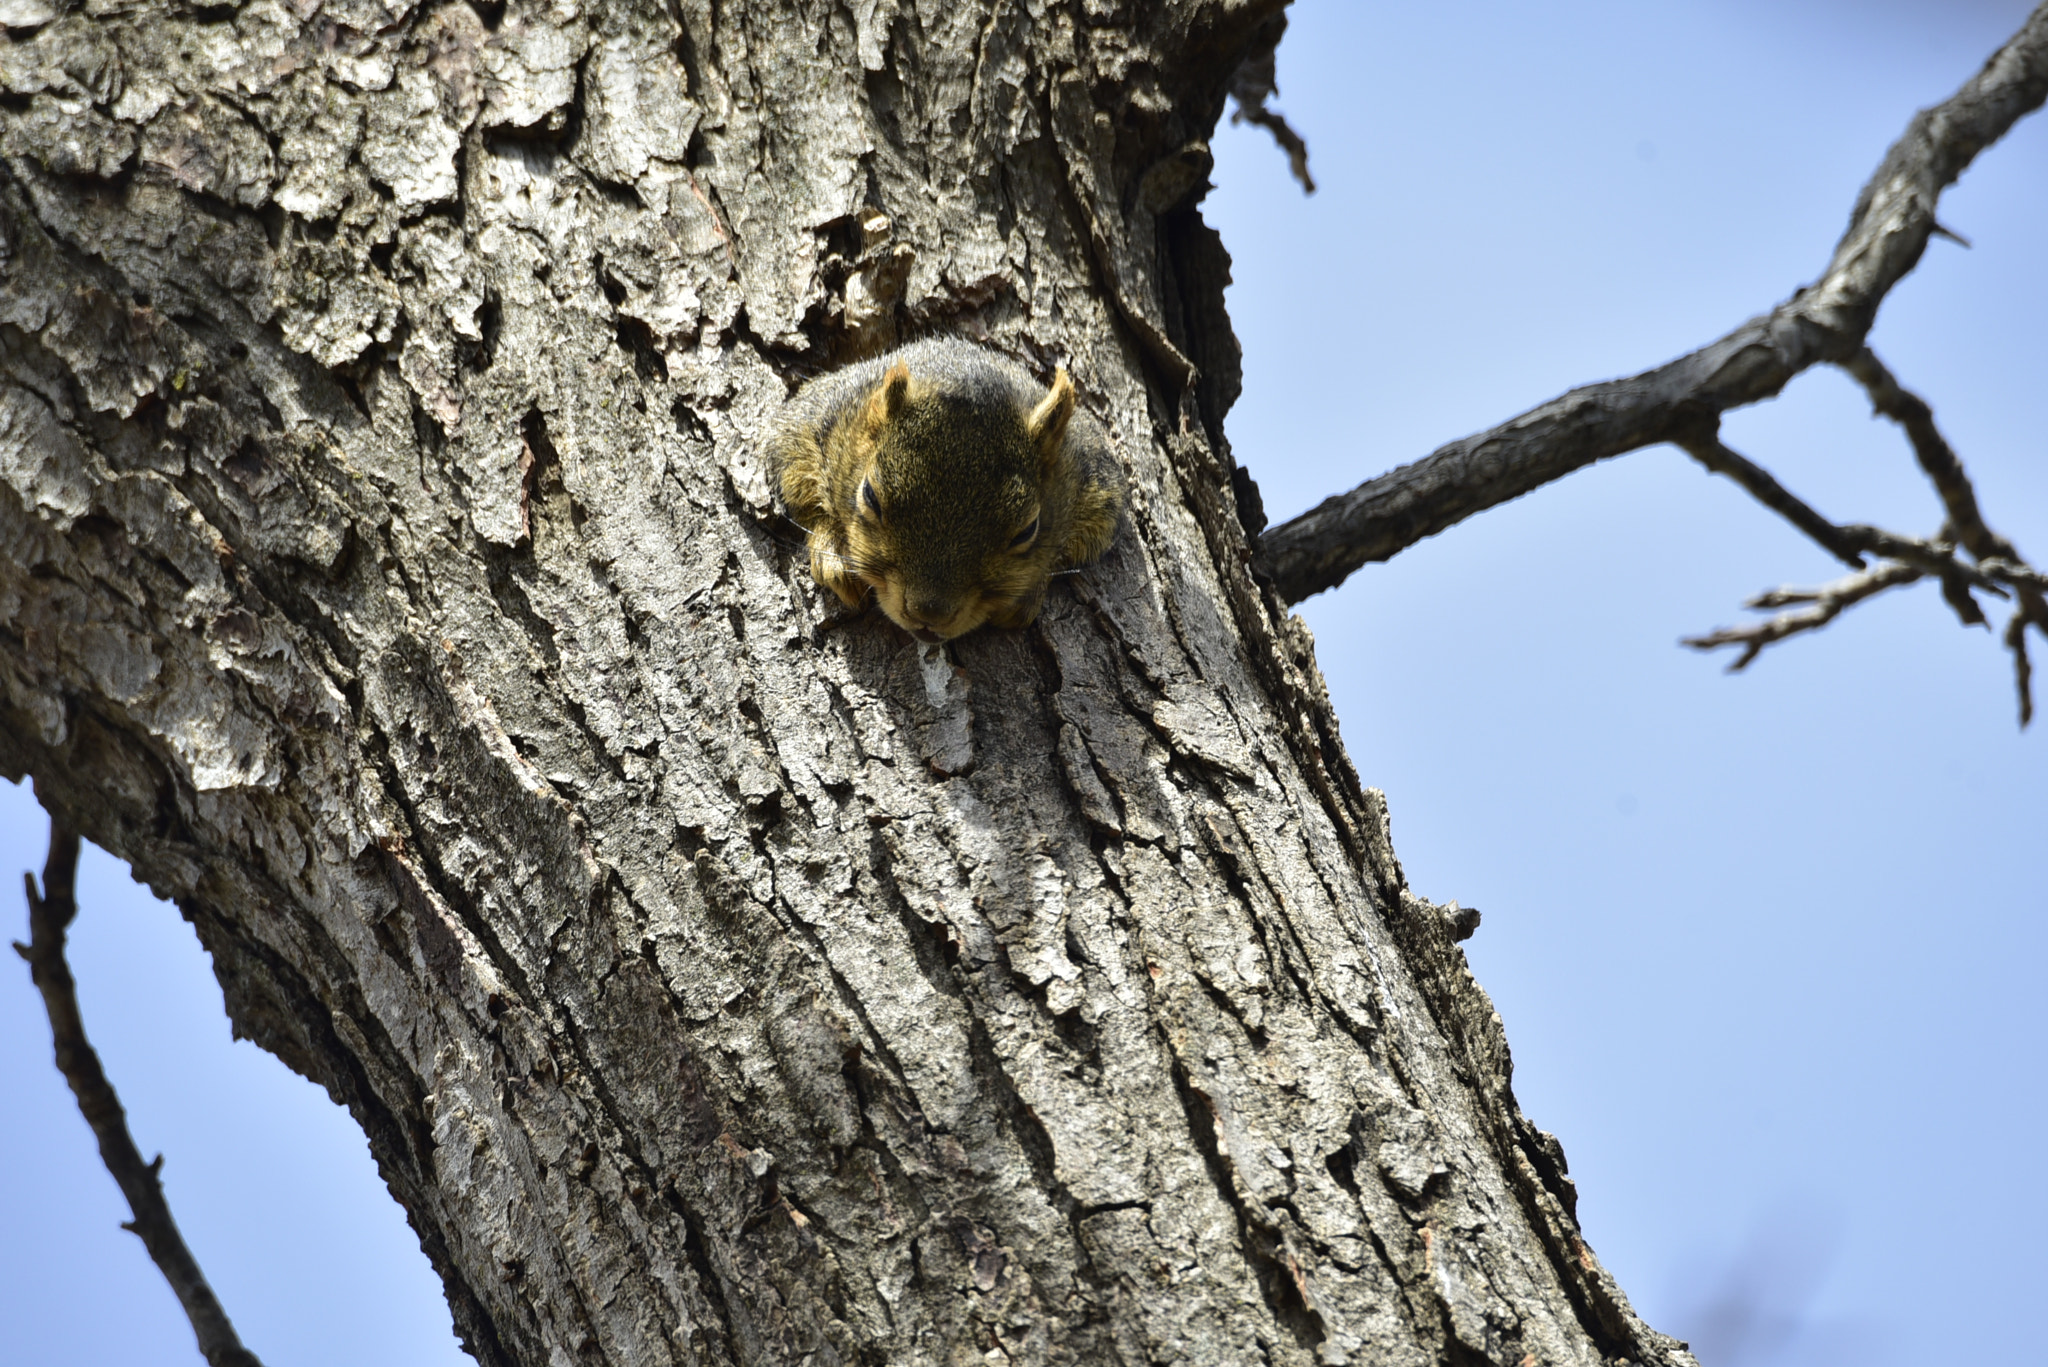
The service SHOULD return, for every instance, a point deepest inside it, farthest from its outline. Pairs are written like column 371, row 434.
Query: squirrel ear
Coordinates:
column 886, row 404
column 1048, row 422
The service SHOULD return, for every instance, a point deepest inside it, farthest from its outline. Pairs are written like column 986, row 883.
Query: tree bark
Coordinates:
column 392, row 577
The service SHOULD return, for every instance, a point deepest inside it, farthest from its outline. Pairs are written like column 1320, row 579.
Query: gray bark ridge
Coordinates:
column 390, row 575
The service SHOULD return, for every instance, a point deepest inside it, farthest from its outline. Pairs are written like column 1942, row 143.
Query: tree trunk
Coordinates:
column 391, row 575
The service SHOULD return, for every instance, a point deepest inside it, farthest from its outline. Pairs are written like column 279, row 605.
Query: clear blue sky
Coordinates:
column 1767, row 946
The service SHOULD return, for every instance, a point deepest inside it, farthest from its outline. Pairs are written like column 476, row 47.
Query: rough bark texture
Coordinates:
column 390, row 574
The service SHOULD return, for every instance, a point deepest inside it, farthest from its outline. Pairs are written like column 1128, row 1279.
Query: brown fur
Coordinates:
column 917, row 474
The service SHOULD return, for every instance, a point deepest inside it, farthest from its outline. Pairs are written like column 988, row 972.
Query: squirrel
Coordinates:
column 944, row 479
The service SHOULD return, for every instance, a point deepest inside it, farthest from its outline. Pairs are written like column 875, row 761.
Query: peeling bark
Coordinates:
column 391, row 576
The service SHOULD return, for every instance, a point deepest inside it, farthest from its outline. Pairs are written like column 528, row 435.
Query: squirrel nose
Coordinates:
column 928, row 611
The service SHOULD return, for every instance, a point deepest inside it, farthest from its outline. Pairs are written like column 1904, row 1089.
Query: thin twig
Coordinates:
column 2022, row 667
column 1251, row 86
column 1936, row 557
column 1827, row 603
column 1705, row 446
column 50, row 913
column 2016, row 573
column 1908, row 559
column 1888, row 231
column 1845, row 543
column 1995, row 555
column 1932, row 450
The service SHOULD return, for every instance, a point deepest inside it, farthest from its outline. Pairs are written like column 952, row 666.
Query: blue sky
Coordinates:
column 1767, row 945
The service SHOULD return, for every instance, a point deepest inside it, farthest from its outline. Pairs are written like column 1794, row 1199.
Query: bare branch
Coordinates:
column 2022, row 667
column 1909, row 558
column 1888, row 230
column 1827, row 602
column 1251, row 86
column 50, row 913
column 1958, row 495
column 2018, row 574
column 1932, row 450
column 1705, row 446
column 1934, row 556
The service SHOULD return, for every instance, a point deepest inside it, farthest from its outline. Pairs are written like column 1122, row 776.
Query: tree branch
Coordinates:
column 1912, row 413
column 1908, row 559
column 2022, row 667
column 1995, row 555
column 50, row 914
column 2000, row 569
column 1252, row 84
column 1827, row 601
column 1888, row 230
column 1704, row 445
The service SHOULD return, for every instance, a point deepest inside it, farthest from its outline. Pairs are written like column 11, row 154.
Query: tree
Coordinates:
column 709, row 977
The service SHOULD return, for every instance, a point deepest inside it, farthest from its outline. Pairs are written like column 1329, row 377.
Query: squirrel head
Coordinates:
column 954, row 510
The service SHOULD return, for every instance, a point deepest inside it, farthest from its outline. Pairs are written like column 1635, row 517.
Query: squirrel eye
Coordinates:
column 871, row 503
column 1025, row 537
